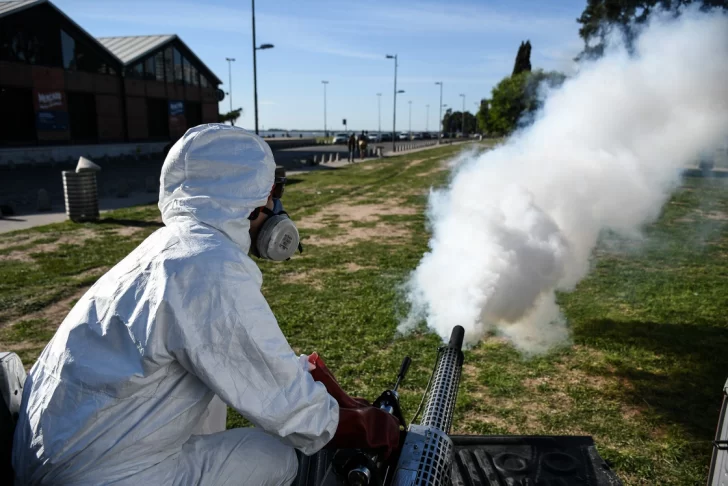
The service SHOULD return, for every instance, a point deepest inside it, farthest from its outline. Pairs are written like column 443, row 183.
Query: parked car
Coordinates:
column 416, row 136
column 340, row 138
column 385, row 137
column 426, row 136
column 402, row 136
column 374, row 137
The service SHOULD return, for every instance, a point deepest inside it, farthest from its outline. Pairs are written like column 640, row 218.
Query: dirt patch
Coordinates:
column 56, row 312
column 699, row 214
column 363, row 213
column 353, row 267
column 414, row 163
column 128, row 230
column 77, row 237
column 309, row 277
column 383, row 232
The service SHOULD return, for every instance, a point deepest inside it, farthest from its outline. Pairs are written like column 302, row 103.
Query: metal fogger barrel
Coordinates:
column 427, row 454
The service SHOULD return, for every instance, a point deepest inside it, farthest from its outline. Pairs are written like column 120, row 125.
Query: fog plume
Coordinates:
column 518, row 223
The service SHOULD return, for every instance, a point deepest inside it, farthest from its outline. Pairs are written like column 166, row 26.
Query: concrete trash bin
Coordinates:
column 81, row 195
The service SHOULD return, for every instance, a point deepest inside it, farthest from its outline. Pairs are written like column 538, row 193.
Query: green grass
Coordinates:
column 649, row 325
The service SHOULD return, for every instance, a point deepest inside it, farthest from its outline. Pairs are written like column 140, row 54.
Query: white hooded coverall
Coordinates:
column 126, row 387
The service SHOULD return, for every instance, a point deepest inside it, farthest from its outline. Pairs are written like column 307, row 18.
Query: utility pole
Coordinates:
column 230, row 84
column 255, row 70
column 394, row 112
column 255, row 67
column 379, row 105
column 410, row 120
column 427, row 119
column 326, row 131
column 439, row 123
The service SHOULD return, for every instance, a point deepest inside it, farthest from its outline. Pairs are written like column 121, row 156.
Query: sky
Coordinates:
column 469, row 45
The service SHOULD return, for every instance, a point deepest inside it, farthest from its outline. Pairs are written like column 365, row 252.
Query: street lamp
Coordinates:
column 427, row 119
column 439, row 123
column 230, row 84
column 326, row 131
column 394, row 113
column 379, row 106
column 463, row 114
column 410, row 120
column 255, row 67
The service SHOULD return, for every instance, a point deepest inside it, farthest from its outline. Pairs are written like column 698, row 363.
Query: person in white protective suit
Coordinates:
column 132, row 389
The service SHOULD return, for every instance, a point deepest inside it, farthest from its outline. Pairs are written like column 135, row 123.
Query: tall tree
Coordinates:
column 483, row 115
column 601, row 17
column 523, row 58
column 517, row 97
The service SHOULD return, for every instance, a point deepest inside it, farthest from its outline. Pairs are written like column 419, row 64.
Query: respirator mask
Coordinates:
column 278, row 237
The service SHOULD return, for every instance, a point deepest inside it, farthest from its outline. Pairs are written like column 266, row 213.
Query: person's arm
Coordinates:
column 227, row 336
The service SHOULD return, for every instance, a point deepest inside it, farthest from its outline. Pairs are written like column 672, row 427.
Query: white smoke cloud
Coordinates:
column 518, row 223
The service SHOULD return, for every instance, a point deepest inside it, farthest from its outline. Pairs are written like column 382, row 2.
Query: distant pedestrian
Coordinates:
column 362, row 145
column 352, row 147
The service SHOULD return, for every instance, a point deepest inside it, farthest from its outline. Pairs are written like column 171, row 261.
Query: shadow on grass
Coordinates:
column 680, row 377
column 130, row 222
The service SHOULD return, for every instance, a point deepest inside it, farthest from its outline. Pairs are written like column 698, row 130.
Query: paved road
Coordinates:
column 292, row 159
column 20, row 185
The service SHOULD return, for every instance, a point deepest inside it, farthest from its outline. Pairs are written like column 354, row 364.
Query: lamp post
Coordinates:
column 379, row 107
column 410, row 120
column 463, row 129
column 439, row 123
column 326, row 131
column 255, row 67
column 230, row 83
column 394, row 113
column 427, row 118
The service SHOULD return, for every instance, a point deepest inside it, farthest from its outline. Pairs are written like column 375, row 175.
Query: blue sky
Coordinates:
column 468, row 44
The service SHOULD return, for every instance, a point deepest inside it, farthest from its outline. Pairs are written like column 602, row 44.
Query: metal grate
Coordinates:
column 443, row 392
column 436, row 460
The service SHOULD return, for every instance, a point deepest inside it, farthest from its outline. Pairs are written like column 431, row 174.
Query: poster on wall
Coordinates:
column 52, row 121
column 50, row 101
column 176, row 108
column 177, row 122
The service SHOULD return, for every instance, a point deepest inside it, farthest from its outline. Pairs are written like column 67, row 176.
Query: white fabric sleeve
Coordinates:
column 231, row 341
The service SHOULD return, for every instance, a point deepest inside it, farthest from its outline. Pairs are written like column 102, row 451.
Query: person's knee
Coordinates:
column 248, row 454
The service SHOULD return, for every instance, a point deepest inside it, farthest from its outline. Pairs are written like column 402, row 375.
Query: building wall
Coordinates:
column 121, row 107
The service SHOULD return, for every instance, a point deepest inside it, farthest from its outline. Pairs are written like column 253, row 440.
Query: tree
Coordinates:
column 483, row 115
column 601, row 17
column 452, row 122
column 523, row 58
column 516, row 98
column 231, row 116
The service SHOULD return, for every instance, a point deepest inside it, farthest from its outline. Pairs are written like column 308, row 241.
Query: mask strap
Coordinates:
column 270, row 212
column 254, row 214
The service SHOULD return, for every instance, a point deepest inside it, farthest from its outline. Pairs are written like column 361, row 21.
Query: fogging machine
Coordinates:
column 430, row 456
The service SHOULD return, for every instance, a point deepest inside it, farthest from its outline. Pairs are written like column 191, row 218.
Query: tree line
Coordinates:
column 515, row 99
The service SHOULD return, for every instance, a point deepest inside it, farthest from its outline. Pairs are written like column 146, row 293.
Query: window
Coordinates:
column 136, row 71
column 68, row 49
column 88, row 58
column 188, row 71
column 194, row 75
column 149, row 68
column 169, row 64
column 159, row 66
column 178, row 74
column 203, row 81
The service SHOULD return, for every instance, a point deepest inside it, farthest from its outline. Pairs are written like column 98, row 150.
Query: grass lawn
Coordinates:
column 643, row 374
